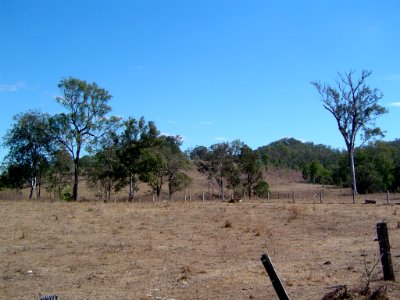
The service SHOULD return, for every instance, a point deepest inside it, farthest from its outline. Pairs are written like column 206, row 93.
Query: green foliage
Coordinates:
column 14, row 176
column 30, row 145
column 134, row 143
column 340, row 171
column 375, row 168
column 219, row 166
column 261, row 189
column 198, row 153
column 164, row 162
column 66, row 194
column 233, row 165
column 315, row 172
column 294, row 154
column 102, row 171
column 250, row 167
column 179, row 182
column 60, row 169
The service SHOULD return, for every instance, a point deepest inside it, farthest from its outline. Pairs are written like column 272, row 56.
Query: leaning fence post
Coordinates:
column 384, row 248
column 279, row 289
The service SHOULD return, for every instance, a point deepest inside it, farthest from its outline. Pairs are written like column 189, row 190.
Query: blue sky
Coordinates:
column 208, row 70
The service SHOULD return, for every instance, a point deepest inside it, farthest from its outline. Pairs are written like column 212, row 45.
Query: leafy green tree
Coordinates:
column 251, row 167
column 165, row 164
column 341, row 171
column 375, row 167
column 315, row 172
column 102, row 177
column 179, row 182
column 59, row 173
column 261, row 189
column 104, row 168
column 198, row 152
column 176, row 163
column 219, row 166
column 135, row 160
column 153, row 168
column 355, row 107
column 85, row 121
column 367, row 175
column 30, row 145
column 14, row 177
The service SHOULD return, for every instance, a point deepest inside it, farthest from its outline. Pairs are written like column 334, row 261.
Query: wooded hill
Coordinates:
column 377, row 164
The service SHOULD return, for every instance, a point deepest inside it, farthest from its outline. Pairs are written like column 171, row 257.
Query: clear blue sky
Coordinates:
column 208, row 70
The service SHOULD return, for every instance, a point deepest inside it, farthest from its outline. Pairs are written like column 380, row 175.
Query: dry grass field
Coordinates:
column 192, row 250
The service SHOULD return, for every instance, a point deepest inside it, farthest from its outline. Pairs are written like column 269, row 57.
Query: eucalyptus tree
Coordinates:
column 251, row 167
column 136, row 138
column 59, row 174
column 30, row 143
column 355, row 107
column 165, row 163
column 219, row 165
column 85, row 120
column 104, row 168
column 176, row 163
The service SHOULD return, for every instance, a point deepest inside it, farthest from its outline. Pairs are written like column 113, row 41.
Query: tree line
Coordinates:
column 124, row 152
column 46, row 150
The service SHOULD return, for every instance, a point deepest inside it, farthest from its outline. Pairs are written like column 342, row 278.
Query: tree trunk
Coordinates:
column 33, row 187
column 158, row 191
column 159, row 187
column 249, row 185
column 108, row 189
column 132, row 183
column 76, row 172
column 170, row 191
column 76, row 179
column 38, row 190
column 222, row 190
column 352, row 171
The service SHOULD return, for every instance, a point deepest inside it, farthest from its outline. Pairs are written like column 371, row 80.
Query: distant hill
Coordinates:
column 294, row 154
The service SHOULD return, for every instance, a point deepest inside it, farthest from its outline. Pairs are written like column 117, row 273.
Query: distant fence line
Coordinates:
column 305, row 196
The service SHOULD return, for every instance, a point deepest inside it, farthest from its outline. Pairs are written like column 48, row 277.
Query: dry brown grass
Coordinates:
column 180, row 250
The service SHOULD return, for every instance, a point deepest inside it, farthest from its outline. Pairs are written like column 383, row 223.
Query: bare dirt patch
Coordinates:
column 198, row 250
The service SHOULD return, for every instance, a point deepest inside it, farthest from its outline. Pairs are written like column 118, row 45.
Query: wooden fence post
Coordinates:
column 320, row 196
column 384, row 248
column 279, row 289
column 387, row 197
column 293, row 196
